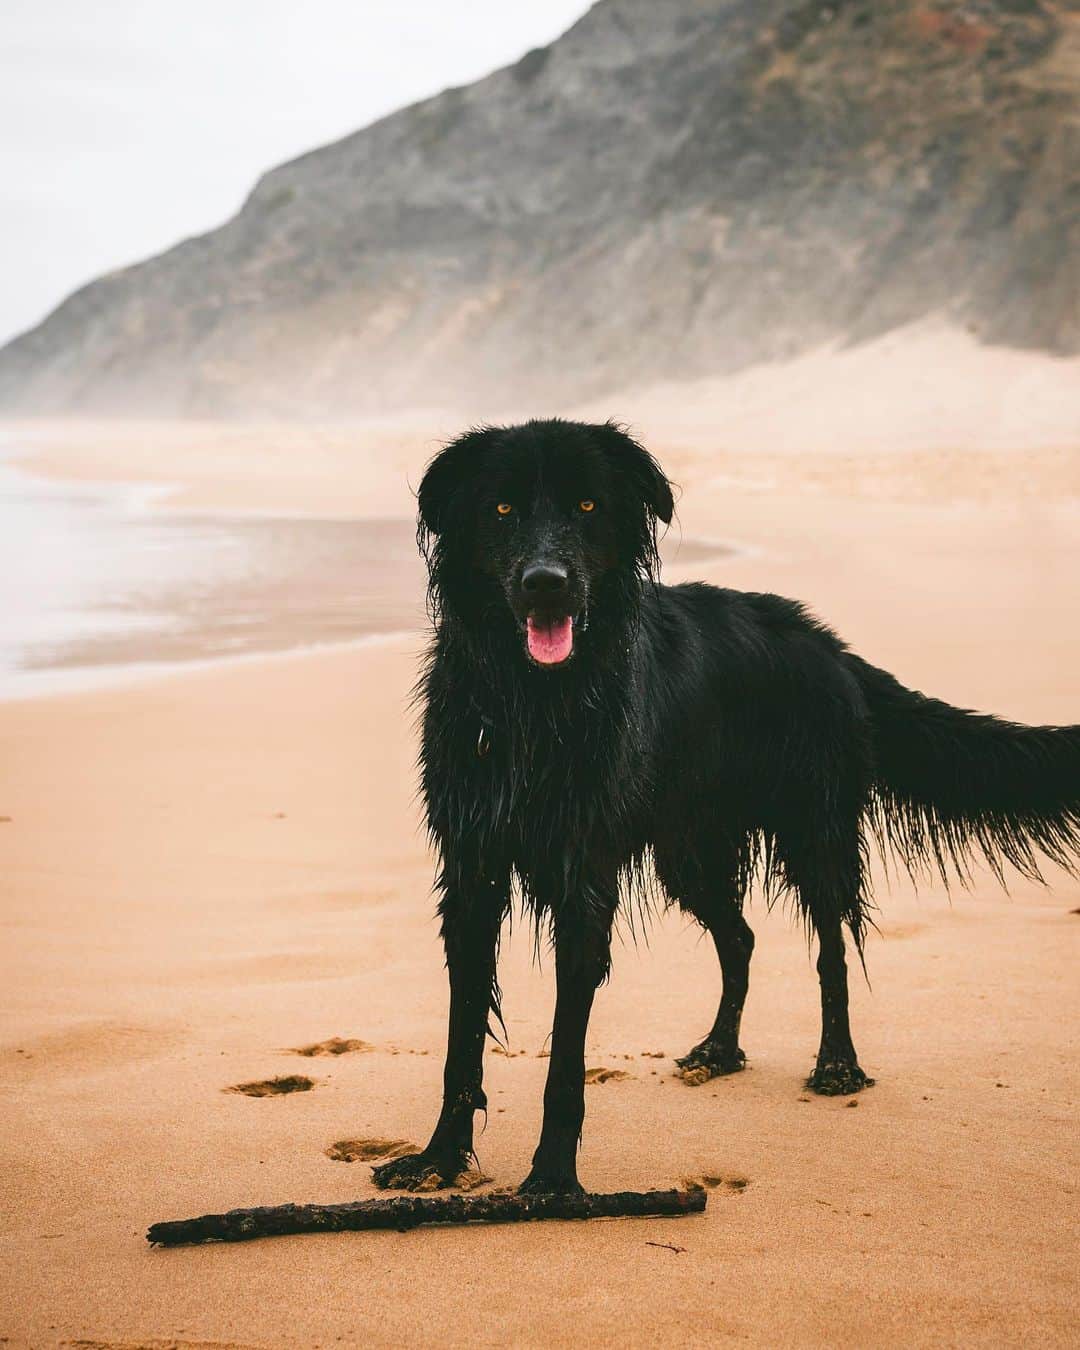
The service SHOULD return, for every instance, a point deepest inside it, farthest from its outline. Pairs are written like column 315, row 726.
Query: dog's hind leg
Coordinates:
column 470, row 929
column 720, row 1053
column 711, row 893
column 829, row 883
column 582, row 960
column 837, row 1071
column 703, row 878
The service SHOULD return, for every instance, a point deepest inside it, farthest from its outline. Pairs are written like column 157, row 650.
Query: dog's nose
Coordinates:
column 544, row 580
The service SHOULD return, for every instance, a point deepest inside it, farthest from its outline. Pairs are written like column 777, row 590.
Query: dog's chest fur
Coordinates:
column 539, row 775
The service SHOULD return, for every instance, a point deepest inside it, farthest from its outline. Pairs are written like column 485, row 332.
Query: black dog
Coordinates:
column 586, row 727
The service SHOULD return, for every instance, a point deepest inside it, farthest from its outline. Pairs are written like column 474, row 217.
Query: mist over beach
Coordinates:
column 821, row 258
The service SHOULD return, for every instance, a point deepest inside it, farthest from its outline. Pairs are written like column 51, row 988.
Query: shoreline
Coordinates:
column 126, row 588
column 71, row 682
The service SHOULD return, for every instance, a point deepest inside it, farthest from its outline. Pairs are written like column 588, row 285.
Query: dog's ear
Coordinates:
column 639, row 466
column 446, row 474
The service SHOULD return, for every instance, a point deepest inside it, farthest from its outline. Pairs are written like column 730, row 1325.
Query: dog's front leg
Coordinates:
column 582, row 959
column 470, row 930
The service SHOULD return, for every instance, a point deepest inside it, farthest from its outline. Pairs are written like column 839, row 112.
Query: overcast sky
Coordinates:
column 126, row 125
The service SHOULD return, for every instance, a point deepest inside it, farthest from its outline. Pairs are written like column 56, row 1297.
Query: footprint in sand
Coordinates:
column 711, row 1181
column 368, row 1150
column 606, row 1075
column 901, row 930
column 336, row 1045
column 274, row 1087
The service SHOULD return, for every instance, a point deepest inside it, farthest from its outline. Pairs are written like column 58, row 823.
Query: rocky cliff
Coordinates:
column 673, row 188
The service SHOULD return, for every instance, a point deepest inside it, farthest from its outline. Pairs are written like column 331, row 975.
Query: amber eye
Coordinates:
column 504, row 508
column 587, row 506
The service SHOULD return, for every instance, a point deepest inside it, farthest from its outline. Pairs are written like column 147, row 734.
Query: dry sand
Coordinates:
column 204, row 870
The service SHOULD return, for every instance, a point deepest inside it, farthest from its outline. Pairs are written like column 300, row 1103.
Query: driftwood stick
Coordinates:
column 410, row 1211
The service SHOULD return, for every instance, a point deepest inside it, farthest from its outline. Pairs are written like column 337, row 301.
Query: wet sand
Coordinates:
column 204, row 870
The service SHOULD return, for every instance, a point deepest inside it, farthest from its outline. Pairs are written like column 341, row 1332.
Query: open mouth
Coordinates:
column 549, row 640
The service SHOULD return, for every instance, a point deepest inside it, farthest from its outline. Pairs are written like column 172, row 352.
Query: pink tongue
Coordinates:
column 550, row 643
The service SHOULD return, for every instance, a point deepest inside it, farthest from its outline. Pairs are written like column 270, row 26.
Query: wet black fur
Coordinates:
column 697, row 735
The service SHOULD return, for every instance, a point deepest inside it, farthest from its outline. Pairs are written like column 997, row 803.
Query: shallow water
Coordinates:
column 99, row 581
column 94, row 582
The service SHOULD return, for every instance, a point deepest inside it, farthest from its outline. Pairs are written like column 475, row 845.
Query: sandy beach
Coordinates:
column 204, row 872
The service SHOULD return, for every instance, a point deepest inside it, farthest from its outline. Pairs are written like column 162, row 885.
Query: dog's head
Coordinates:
column 547, row 528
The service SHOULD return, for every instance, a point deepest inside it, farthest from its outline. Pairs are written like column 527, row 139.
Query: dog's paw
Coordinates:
column 709, row 1060
column 838, row 1078
column 424, row 1171
column 540, row 1182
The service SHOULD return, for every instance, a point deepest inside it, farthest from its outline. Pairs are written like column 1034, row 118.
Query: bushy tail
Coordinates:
column 953, row 786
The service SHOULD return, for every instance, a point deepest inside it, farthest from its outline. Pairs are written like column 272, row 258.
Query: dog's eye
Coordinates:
column 504, row 508
column 587, row 505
